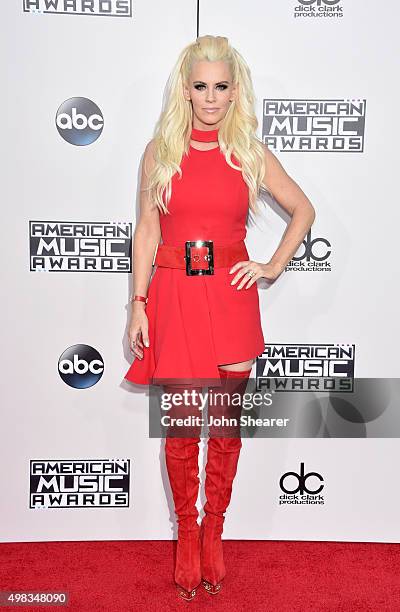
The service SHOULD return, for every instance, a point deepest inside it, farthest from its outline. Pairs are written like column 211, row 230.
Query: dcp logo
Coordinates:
column 79, row 121
column 319, row 2
column 80, row 366
column 301, row 479
column 314, row 249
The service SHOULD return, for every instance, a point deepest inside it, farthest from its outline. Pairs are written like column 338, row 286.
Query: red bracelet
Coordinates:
column 139, row 298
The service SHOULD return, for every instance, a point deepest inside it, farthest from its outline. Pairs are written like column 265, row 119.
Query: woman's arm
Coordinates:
column 147, row 231
column 145, row 240
column 290, row 196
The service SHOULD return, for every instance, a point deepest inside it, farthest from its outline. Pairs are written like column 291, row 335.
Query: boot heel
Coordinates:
column 210, row 566
column 186, row 595
column 187, row 569
column 213, row 589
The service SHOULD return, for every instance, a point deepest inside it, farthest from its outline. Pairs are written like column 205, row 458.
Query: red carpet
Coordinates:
column 276, row 576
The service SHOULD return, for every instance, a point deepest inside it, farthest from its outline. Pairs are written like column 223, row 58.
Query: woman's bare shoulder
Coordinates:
column 148, row 155
column 150, row 148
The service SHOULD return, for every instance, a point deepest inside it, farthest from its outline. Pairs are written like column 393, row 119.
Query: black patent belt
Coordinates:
column 200, row 257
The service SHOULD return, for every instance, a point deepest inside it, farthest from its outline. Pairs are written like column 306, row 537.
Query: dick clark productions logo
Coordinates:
column 302, row 492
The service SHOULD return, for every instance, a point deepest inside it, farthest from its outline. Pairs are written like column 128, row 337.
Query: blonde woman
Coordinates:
column 199, row 319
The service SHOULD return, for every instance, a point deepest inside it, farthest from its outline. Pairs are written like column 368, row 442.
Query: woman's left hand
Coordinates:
column 270, row 271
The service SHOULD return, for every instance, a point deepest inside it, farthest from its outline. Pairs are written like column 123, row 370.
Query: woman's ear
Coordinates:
column 186, row 93
column 235, row 91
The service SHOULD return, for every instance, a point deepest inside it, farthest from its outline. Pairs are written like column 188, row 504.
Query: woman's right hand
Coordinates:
column 138, row 333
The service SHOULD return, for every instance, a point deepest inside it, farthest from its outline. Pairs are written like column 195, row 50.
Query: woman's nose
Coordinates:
column 210, row 97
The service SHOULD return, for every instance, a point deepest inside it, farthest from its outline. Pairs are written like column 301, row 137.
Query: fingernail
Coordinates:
column 232, row 282
column 146, row 343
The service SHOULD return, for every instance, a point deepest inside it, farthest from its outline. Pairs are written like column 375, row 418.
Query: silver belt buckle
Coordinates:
column 209, row 257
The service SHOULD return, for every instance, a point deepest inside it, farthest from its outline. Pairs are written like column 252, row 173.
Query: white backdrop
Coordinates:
column 58, row 174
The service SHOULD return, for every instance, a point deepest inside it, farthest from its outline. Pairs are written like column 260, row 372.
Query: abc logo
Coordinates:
column 79, row 121
column 80, row 366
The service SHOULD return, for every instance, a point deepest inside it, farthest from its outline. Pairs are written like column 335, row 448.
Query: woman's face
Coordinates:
column 211, row 90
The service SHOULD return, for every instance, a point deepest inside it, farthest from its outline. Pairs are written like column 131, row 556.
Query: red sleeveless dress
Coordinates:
column 199, row 322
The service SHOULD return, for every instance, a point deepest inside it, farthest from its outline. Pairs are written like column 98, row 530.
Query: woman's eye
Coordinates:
column 201, row 87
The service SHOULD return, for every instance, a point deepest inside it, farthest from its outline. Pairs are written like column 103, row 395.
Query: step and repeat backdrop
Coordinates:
column 82, row 91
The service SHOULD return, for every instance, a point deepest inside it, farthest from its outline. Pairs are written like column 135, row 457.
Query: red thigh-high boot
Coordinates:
column 181, row 456
column 223, row 449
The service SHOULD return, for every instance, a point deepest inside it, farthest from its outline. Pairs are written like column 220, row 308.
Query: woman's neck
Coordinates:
column 204, row 135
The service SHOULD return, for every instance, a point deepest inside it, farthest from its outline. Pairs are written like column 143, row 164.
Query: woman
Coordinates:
column 198, row 319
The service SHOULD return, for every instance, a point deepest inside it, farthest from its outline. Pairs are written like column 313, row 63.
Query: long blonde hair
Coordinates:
column 236, row 134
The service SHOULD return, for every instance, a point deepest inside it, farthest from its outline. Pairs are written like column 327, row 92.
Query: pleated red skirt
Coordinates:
column 199, row 322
